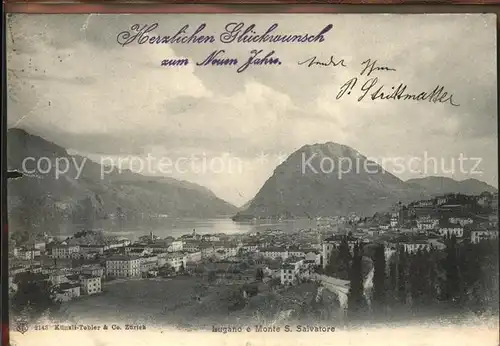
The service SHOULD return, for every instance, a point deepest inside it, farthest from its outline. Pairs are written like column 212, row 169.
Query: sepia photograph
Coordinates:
column 255, row 179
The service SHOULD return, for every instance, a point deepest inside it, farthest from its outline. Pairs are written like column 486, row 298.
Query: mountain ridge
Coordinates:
column 322, row 188
column 326, row 192
column 89, row 197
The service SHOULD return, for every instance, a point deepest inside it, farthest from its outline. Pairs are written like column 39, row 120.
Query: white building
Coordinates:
column 26, row 254
column 176, row 245
column 484, row 234
column 293, row 252
column 290, row 272
column 207, row 250
column 118, row 244
column 17, row 270
column 493, row 221
column 67, row 291
column 449, row 230
column 193, row 256
column 176, row 260
column 210, row 237
column 58, row 278
column 427, row 203
column 138, row 250
column 462, row 221
column 191, row 246
column 149, row 263
column 394, row 220
column 413, row 247
column 426, row 224
column 231, row 250
column 65, row 251
column 92, row 270
column 12, row 286
column 334, row 242
column 313, row 256
column 90, row 284
column 442, row 200
column 123, row 266
column 98, row 249
column 275, row 253
column 38, row 244
column 250, row 247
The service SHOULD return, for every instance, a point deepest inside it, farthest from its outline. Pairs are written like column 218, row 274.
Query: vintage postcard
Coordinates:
column 252, row 179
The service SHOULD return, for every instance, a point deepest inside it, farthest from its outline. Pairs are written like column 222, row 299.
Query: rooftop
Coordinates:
column 175, row 255
column 88, row 276
column 122, row 258
column 273, row 249
column 64, row 246
column 67, row 286
column 340, row 237
column 416, row 242
column 136, row 250
column 449, row 225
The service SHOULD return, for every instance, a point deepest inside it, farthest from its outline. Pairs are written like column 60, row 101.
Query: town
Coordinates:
column 84, row 264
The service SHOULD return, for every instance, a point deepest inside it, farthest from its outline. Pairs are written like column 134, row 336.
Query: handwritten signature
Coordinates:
column 372, row 89
column 314, row 62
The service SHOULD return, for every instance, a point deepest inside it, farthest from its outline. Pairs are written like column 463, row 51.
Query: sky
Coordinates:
column 71, row 83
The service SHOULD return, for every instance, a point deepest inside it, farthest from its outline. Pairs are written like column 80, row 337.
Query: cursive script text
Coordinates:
column 372, row 90
column 241, row 33
column 257, row 58
column 314, row 62
column 142, row 34
column 371, row 66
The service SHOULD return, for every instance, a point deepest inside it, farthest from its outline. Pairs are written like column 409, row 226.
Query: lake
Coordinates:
column 177, row 227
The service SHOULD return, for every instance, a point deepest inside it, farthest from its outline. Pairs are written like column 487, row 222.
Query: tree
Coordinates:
column 212, row 276
column 344, row 259
column 478, row 269
column 402, row 276
column 34, row 296
column 166, row 270
column 393, row 280
column 424, row 293
column 339, row 261
column 379, row 278
column 20, row 236
column 417, row 279
column 452, row 289
column 182, row 268
column 356, row 302
column 259, row 275
column 145, row 239
column 331, row 267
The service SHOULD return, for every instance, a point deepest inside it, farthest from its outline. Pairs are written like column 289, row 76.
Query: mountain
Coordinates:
column 443, row 185
column 332, row 179
column 38, row 197
column 316, row 181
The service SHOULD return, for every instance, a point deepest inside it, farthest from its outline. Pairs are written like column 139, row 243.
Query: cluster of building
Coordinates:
column 289, row 264
column 76, row 269
column 280, row 255
column 423, row 225
column 68, row 283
